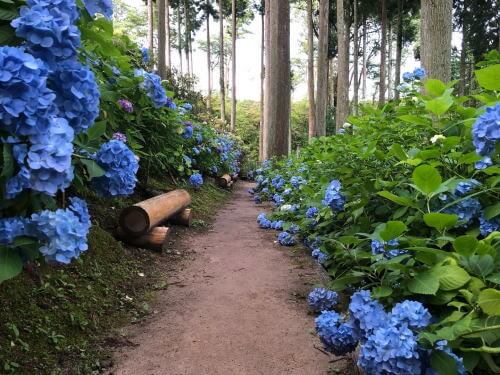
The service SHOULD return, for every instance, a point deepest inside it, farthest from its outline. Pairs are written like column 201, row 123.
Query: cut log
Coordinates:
column 224, row 180
column 142, row 217
column 155, row 239
column 182, row 218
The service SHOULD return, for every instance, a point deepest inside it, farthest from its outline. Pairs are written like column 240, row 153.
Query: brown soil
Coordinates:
column 237, row 308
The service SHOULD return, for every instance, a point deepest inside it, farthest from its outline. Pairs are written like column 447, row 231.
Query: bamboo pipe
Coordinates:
column 155, row 239
column 142, row 217
column 183, row 218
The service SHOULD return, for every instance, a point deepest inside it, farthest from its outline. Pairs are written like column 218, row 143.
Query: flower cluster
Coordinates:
column 104, row 7
column 333, row 197
column 486, row 131
column 320, row 299
column 184, row 108
column 278, row 199
column 126, row 105
column 488, row 226
column 379, row 247
column 297, row 181
column 10, row 228
column 418, row 74
column 153, row 87
column 263, row 221
column 312, row 212
column 188, row 130
column 335, row 334
column 196, row 180
column 277, row 182
column 286, row 239
column 120, row 137
column 120, row 166
column 320, row 256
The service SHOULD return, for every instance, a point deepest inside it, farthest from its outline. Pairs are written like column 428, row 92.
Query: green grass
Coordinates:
column 61, row 320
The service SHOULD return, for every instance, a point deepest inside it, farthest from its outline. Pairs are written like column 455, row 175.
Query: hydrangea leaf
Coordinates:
column 439, row 105
column 10, row 263
column 93, row 169
column 427, row 179
column 392, row 230
column 426, row 282
column 381, row 291
column 440, row 221
column 452, row 277
column 434, row 87
column 489, row 78
column 481, row 265
column 443, row 363
column 97, row 130
column 403, row 201
column 492, row 211
column 465, row 245
column 7, row 161
column 414, row 119
column 489, row 301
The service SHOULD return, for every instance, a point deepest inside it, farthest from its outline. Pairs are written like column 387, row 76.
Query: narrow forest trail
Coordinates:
column 236, row 311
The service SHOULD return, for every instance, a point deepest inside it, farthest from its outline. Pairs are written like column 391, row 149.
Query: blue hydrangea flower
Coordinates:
column 196, row 180
column 120, row 166
column 265, row 190
column 333, row 197
column 320, row 256
column 410, row 313
column 419, row 73
column 465, row 187
column 170, row 103
column 466, row 209
column 257, row 199
column 287, row 191
column 488, row 226
column 79, row 207
column 116, row 71
column 187, row 106
column 277, row 182
column 296, row 181
column 195, row 150
column 286, row 239
column 379, row 248
column 77, row 94
column 104, row 7
column 294, row 229
column 145, row 55
column 408, row 76
column 278, row 199
column 486, row 131
column 153, row 87
column 188, row 130
column 277, row 225
column 484, row 163
column 336, row 336
column 312, row 212
column 11, row 228
column 442, row 345
column 320, row 299
column 366, row 314
column 199, row 138
column 263, row 221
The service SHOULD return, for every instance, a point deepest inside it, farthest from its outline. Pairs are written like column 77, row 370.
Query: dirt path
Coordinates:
column 236, row 309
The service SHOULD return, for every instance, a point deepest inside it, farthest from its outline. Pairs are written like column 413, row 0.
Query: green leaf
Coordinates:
column 7, row 161
column 443, row 364
column 481, row 265
column 392, row 230
column 427, row 179
column 381, row 291
column 426, row 282
column 6, row 34
column 435, row 87
column 413, row 119
column 8, row 14
column 494, row 278
column 440, row 221
column 398, row 151
column 489, row 301
column 403, row 201
column 97, row 130
column 452, row 277
column 439, row 105
column 465, row 245
column 489, row 78
column 93, row 169
column 492, row 211
column 10, row 263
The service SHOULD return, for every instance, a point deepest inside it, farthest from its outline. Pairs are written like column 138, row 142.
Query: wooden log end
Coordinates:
column 134, row 220
column 223, row 180
column 155, row 239
column 183, row 218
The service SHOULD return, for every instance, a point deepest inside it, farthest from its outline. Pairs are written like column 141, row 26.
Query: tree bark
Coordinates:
column 151, row 25
column 262, row 75
column 179, row 37
column 463, row 52
column 187, row 36
column 221, row 65
column 356, row 59
column 278, row 73
column 435, row 36
column 322, row 78
column 233, row 66
column 162, row 40
column 399, row 49
column 364, row 73
column 267, row 52
column 383, row 52
column 389, row 62
column 209, row 61
column 342, row 66
column 310, row 72
column 168, row 51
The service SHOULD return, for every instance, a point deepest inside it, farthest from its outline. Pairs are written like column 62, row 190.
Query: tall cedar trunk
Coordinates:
column 191, row 53
column 179, row 36
column 278, row 73
column 310, row 71
column 463, row 52
column 356, row 58
column 187, row 36
column 389, row 61
column 322, row 78
column 267, row 53
column 363, row 73
column 331, row 82
column 168, row 51
column 151, row 26
column 383, row 52
column 262, row 75
column 162, row 40
column 342, row 66
column 209, row 61
column 435, row 36
column 399, row 49
column 221, row 65
column 233, row 66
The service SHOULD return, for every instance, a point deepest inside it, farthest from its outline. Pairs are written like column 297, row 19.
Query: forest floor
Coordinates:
column 236, row 305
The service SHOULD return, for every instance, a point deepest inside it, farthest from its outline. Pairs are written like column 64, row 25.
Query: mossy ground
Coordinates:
column 61, row 320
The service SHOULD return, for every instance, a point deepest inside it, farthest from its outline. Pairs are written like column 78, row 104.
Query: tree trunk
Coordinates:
column 151, row 25
column 209, row 61
column 191, row 54
column 356, row 58
column 342, row 67
column 364, row 72
column 168, row 51
column 179, row 37
column 221, row 65
column 187, row 36
column 322, row 78
column 389, row 62
column 267, row 53
column 435, row 36
column 278, row 73
column 463, row 52
column 162, row 40
column 383, row 52
column 310, row 72
column 262, row 75
column 233, row 66
column 399, row 49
